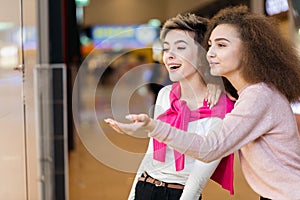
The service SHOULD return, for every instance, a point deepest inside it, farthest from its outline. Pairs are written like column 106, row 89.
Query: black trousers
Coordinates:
column 263, row 198
column 148, row 191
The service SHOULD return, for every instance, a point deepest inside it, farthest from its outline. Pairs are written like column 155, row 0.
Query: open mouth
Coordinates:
column 173, row 67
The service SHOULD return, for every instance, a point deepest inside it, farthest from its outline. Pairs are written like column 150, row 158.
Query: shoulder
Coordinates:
column 165, row 90
column 258, row 89
column 162, row 101
column 257, row 92
column 263, row 95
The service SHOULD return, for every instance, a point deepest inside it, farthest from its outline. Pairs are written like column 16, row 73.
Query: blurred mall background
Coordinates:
column 67, row 64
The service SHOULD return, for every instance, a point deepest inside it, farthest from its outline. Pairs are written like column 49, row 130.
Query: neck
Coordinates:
column 193, row 92
column 238, row 82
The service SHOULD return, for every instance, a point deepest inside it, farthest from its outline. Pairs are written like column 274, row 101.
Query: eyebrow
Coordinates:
column 219, row 39
column 176, row 42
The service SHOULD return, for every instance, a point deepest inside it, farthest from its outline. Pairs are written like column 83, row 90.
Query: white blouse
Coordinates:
column 195, row 174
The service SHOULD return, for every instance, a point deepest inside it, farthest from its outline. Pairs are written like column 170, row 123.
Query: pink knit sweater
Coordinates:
column 263, row 129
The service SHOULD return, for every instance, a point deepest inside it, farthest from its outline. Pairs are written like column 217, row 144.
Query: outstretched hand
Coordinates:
column 140, row 123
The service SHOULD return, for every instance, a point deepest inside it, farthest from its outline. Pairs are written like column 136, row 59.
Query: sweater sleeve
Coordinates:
column 249, row 119
column 160, row 107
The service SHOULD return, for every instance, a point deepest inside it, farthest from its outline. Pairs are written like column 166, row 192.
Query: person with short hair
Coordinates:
column 165, row 173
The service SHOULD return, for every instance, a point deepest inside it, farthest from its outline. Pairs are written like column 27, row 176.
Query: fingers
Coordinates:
column 114, row 124
column 216, row 97
column 141, row 124
column 211, row 90
column 211, row 101
column 130, row 117
column 110, row 121
column 137, row 117
column 211, row 98
column 213, row 94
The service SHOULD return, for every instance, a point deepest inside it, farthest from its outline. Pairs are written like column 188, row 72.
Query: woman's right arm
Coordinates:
column 143, row 167
column 160, row 106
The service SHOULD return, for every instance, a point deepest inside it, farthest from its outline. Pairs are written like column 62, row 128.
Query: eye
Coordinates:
column 165, row 49
column 221, row 45
column 181, row 48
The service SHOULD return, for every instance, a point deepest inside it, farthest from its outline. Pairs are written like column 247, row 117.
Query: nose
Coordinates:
column 170, row 54
column 210, row 52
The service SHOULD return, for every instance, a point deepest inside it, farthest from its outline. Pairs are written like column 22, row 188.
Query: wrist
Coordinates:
column 151, row 125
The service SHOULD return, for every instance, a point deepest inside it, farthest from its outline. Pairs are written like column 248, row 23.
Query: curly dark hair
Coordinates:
column 267, row 56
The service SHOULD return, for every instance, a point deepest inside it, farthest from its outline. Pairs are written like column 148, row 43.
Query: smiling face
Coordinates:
column 180, row 55
column 225, row 51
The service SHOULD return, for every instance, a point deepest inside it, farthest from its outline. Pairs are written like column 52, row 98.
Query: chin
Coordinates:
column 176, row 78
column 214, row 72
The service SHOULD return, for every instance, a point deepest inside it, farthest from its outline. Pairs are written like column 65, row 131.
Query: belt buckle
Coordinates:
column 160, row 184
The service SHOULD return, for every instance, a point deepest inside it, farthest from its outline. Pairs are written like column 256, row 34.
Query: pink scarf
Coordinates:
column 179, row 115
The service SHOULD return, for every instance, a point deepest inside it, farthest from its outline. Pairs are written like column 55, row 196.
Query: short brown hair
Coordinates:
column 186, row 22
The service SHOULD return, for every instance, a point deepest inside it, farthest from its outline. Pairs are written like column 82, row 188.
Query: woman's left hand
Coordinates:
column 214, row 92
